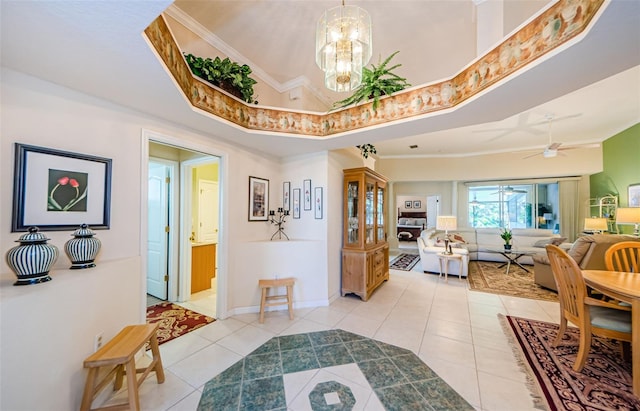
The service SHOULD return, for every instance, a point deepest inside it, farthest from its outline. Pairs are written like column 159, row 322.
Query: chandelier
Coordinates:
column 343, row 46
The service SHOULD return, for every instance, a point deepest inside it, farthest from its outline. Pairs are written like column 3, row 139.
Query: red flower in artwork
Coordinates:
column 74, row 183
column 63, row 181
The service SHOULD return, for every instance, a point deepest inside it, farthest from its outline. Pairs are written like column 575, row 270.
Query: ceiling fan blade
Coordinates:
column 554, row 146
column 531, row 155
column 595, row 145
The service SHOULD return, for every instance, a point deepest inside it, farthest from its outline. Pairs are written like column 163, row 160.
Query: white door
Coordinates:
column 207, row 211
column 433, row 209
column 158, row 236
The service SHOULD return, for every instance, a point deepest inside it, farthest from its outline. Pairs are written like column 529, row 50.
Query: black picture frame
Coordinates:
column 258, row 199
column 296, row 203
column 317, row 205
column 57, row 190
column 408, row 204
column 286, row 196
column 306, row 187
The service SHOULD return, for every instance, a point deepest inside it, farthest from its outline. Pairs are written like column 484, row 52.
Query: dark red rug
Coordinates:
column 603, row 384
column 175, row 320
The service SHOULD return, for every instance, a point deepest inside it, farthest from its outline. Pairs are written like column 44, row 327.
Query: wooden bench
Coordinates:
column 119, row 353
column 287, row 298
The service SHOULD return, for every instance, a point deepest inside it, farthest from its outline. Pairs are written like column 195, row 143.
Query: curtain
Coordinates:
column 569, row 209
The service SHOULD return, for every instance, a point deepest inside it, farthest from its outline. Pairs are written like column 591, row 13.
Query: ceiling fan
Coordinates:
column 553, row 149
column 508, row 190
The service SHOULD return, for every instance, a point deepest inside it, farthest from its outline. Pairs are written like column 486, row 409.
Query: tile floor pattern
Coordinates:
column 454, row 330
column 264, row 379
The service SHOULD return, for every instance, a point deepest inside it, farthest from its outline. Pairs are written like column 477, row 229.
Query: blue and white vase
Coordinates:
column 33, row 258
column 83, row 248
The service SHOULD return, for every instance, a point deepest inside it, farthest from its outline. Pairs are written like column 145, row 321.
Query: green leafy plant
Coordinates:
column 376, row 82
column 506, row 235
column 224, row 73
column 367, row 149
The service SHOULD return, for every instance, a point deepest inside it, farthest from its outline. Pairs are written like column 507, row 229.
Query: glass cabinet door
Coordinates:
column 369, row 212
column 353, row 219
column 380, row 215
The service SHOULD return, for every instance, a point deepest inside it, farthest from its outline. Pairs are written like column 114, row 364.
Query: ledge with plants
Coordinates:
column 225, row 74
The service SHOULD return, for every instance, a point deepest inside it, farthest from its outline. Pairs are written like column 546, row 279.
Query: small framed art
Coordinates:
column 317, row 203
column 408, row 204
column 296, row 203
column 307, row 194
column 258, row 199
column 286, row 195
column 417, row 204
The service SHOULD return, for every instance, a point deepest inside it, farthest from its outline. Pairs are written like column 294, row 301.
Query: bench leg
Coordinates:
column 263, row 301
column 87, row 395
column 290, row 300
column 132, row 385
column 156, row 357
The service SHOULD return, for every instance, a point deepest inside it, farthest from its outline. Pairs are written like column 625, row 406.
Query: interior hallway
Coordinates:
column 455, row 331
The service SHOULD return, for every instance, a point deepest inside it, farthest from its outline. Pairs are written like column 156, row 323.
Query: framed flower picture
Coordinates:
column 58, row 190
column 634, row 195
column 258, row 199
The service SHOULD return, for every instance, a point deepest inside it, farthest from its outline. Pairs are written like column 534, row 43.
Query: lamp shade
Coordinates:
column 595, row 224
column 447, row 222
column 628, row 215
column 343, row 46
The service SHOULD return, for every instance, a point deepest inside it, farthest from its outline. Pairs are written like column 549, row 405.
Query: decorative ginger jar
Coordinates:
column 83, row 248
column 33, row 258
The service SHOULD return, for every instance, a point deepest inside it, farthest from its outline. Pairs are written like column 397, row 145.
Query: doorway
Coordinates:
column 183, row 225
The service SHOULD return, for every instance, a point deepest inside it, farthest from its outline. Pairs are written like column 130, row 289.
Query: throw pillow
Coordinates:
column 402, row 221
column 411, row 221
column 558, row 240
column 542, row 243
column 458, row 239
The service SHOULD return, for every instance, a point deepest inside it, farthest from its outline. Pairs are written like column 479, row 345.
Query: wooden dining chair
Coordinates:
column 623, row 256
column 590, row 315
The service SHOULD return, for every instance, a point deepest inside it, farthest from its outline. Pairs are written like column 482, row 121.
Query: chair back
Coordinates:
column 572, row 289
column 623, row 256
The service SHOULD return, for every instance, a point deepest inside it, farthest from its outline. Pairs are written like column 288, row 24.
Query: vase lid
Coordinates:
column 33, row 236
column 83, row 231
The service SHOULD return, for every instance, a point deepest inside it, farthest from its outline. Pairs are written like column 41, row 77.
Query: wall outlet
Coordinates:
column 97, row 342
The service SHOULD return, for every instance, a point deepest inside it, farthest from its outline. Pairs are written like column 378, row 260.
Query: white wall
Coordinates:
column 49, row 328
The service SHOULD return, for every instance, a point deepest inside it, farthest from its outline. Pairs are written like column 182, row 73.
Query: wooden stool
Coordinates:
column 287, row 298
column 120, row 353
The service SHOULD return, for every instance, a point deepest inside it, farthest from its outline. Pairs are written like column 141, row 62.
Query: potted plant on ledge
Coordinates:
column 506, row 235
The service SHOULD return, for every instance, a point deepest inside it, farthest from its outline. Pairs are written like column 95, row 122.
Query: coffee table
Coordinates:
column 512, row 257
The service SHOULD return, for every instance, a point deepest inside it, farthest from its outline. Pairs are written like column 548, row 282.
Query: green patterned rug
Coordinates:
column 485, row 276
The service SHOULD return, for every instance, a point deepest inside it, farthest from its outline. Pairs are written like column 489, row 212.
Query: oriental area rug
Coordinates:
column 175, row 320
column 404, row 262
column 603, row 384
column 485, row 276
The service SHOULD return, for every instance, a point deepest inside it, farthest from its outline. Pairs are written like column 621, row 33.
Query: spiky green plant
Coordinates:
column 376, row 82
column 367, row 149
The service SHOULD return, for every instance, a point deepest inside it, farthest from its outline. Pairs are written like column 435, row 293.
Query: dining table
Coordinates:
column 625, row 287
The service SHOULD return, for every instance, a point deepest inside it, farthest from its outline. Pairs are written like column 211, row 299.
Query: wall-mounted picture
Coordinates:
column 634, row 195
column 59, row 190
column 408, row 204
column 307, row 194
column 417, row 204
column 258, row 199
column 317, row 203
column 296, row 203
column 286, row 195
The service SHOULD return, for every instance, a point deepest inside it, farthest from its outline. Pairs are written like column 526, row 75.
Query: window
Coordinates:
column 512, row 205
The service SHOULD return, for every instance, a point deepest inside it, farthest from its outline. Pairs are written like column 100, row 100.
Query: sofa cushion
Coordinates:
column 580, row 247
column 553, row 240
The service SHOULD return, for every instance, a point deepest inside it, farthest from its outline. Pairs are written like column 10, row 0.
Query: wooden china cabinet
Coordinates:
column 365, row 251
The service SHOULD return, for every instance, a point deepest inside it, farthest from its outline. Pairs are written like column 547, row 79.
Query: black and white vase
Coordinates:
column 82, row 249
column 33, row 258
column 507, row 248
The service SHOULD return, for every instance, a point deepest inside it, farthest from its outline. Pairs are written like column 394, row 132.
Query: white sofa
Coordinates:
column 473, row 244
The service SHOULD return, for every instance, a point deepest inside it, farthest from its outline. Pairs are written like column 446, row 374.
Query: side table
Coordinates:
column 443, row 259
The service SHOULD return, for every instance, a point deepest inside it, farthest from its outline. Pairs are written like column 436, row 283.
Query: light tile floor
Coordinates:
column 454, row 330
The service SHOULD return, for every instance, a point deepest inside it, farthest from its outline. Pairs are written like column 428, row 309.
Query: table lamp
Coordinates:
column 446, row 223
column 629, row 215
column 595, row 225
